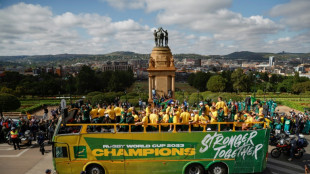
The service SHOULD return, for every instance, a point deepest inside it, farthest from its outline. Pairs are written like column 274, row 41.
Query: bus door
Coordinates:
column 62, row 157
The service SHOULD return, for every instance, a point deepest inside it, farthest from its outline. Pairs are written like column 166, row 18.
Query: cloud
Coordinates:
column 295, row 14
column 123, row 4
column 34, row 29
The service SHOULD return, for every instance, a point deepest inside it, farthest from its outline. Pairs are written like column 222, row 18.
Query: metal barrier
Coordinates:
column 115, row 125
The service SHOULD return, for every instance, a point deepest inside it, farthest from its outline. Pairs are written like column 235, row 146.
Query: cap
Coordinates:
column 192, row 114
column 13, row 128
column 200, row 103
column 48, row 170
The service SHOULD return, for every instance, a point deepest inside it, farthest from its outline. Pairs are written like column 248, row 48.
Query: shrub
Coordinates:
column 9, row 102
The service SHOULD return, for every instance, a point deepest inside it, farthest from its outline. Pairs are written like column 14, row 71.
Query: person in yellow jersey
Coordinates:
column 165, row 119
column 118, row 114
column 144, row 121
column 220, row 103
column 207, row 110
column 213, row 115
column 239, row 119
column 154, row 119
column 148, row 110
column 248, row 122
column 101, row 111
column 111, row 115
column 184, row 119
column 204, row 120
column 194, row 121
column 175, row 118
column 94, row 114
column 168, row 109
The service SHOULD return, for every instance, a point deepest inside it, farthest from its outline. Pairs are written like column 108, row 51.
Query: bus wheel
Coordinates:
column 275, row 153
column 218, row 168
column 194, row 169
column 94, row 169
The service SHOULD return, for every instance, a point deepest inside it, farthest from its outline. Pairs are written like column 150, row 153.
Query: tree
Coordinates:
column 301, row 87
column 216, row 83
column 8, row 102
column 201, row 79
column 86, row 80
column 191, row 79
column 286, row 85
column 240, row 80
column 227, row 76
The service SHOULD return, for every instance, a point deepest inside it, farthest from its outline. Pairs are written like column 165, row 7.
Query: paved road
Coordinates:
column 30, row 161
column 283, row 166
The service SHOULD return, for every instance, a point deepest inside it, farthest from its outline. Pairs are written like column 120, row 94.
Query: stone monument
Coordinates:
column 161, row 68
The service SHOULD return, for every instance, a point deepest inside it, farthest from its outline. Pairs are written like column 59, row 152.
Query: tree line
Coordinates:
column 250, row 81
column 49, row 84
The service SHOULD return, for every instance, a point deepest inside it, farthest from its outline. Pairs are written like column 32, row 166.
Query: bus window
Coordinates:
column 61, row 152
column 69, row 129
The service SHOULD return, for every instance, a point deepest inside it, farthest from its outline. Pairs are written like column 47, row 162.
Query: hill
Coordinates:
column 245, row 55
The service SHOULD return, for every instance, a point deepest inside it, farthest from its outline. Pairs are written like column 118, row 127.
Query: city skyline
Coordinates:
column 34, row 27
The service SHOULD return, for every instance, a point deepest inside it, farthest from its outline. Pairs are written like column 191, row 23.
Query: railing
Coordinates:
column 204, row 126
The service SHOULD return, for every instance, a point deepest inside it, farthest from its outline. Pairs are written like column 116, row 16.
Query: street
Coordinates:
column 30, row 161
column 26, row 160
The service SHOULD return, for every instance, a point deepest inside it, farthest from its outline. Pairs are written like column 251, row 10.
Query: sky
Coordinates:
column 207, row 27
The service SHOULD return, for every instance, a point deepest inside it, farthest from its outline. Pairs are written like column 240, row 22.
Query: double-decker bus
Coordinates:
column 79, row 147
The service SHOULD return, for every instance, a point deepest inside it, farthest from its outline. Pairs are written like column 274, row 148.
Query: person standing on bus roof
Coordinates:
column 101, row 111
column 94, row 114
column 184, row 119
column 220, row 103
column 154, row 119
column 195, row 120
column 144, row 121
column 202, row 108
column 118, row 114
column 214, row 115
column 165, row 119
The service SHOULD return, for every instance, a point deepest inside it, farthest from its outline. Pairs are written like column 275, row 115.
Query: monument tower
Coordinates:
column 161, row 68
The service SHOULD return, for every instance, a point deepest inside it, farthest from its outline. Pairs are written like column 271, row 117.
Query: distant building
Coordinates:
column 197, row 62
column 58, row 71
column 116, row 66
column 271, row 61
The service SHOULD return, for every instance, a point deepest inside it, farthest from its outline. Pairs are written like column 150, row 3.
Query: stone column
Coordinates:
column 172, row 85
column 150, row 88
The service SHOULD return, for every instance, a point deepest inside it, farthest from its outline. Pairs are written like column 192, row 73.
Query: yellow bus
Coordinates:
column 83, row 147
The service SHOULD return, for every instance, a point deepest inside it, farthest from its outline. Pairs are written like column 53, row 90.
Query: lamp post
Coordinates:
column 198, row 98
column 125, row 96
column 255, row 81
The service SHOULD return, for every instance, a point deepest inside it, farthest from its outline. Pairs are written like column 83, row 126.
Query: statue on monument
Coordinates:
column 161, row 36
column 152, row 63
column 171, row 62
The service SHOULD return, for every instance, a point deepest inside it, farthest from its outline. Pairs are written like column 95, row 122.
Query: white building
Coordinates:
column 271, row 61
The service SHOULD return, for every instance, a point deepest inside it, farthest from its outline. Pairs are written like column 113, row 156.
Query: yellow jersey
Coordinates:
column 176, row 117
column 153, row 118
column 94, row 113
column 219, row 105
column 204, row 119
column 118, row 111
column 101, row 112
column 185, row 117
column 214, row 116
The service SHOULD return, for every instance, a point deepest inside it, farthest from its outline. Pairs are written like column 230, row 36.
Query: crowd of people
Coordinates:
column 32, row 123
column 206, row 115
column 244, row 115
